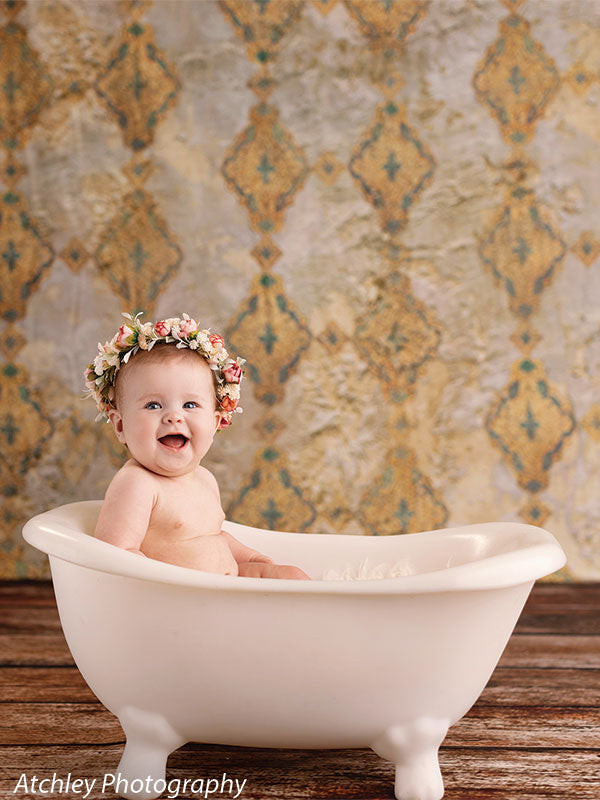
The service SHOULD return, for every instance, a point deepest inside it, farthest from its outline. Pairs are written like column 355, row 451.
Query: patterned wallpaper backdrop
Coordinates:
column 390, row 209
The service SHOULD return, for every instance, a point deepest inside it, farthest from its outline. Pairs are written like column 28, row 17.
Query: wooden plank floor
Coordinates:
column 534, row 733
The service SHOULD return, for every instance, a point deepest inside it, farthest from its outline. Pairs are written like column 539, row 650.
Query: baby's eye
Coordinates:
column 191, row 403
column 152, row 403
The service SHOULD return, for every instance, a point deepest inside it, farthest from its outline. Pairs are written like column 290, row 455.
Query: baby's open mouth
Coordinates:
column 174, row 441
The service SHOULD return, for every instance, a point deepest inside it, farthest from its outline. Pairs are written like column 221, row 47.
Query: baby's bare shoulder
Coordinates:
column 133, row 476
column 207, row 478
column 128, row 504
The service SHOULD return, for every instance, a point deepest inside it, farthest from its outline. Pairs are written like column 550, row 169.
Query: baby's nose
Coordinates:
column 173, row 417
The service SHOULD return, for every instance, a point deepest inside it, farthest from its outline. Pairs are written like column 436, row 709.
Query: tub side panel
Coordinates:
column 272, row 669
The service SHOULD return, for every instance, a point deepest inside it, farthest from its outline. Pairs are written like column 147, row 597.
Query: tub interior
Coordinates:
column 318, row 554
column 413, row 554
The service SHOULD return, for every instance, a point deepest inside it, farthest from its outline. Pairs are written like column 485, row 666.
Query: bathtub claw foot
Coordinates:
column 413, row 748
column 150, row 739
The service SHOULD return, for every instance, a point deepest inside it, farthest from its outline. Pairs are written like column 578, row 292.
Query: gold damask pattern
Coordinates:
column 26, row 86
column 265, row 169
column 516, row 80
column 75, row 255
column 396, row 334
column 269, row 497
column 262, row 24
column 386, row 25
column 591, row 422
column 387, row 332
column 530, row 421
column 24, row 428
column 523, row 251
column 138, row 254
column 279, row 336
column 138, row 85
column 403, row 501
column 587, row 247
column 26, row 256
column 530, row 424
column 392, row 166
column 324, row 6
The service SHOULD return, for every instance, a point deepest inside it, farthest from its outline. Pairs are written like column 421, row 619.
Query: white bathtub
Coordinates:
column 180, row 655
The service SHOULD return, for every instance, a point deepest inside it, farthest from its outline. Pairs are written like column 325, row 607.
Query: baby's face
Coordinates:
column 172, row 398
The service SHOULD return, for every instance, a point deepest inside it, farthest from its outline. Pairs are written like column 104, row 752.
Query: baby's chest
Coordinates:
column 183, row 514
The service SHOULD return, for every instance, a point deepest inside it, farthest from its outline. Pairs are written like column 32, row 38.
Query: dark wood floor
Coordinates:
column 534, row 733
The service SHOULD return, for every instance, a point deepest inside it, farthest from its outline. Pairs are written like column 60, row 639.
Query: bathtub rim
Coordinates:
column 497, row 571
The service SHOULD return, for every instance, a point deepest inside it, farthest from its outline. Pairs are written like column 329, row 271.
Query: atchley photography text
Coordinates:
column 115, row 783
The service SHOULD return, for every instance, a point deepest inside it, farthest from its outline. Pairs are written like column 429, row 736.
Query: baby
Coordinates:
column 167, row 388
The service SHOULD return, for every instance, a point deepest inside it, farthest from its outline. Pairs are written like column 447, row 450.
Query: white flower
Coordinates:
column 173, row 323
column 130, row 353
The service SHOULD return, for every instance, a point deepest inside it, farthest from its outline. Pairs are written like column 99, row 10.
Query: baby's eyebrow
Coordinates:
column 159, row 396
column 148, row 394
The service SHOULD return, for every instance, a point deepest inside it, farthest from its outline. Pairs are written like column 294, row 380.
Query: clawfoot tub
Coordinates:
column 180, row 655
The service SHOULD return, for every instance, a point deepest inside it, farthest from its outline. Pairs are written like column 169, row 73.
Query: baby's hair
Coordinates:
column 160, row 352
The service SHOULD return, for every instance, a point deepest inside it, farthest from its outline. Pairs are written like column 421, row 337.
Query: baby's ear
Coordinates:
column 217, row 420
column 117, row 423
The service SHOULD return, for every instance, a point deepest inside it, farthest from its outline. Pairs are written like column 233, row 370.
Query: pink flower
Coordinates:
column 162, row 327
column 233, row 373
column 228, row 403
column 223, row 423
column 216, row 341
column 188, row 326
column 125, row 337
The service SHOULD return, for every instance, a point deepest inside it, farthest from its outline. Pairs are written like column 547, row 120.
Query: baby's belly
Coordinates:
column 208, row 552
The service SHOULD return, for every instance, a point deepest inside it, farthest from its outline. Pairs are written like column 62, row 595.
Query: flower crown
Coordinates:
column 101, row 374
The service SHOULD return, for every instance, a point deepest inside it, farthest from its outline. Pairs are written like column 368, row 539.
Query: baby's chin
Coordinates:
column 174, row 471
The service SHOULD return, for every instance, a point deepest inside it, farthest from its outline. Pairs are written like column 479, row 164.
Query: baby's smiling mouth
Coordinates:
column 174, row 441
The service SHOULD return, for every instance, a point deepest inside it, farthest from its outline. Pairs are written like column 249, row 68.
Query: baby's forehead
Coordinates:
column 184, row 360
column 146, row 368
column 190, row 365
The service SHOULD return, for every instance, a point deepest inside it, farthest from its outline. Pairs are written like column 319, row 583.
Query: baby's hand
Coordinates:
column 258, row 569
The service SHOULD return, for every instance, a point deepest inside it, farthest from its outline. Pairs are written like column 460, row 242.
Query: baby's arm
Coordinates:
column 239, row 551
column 251, row 563
column 258, row 570
column 125, row 513
column 242, row 553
